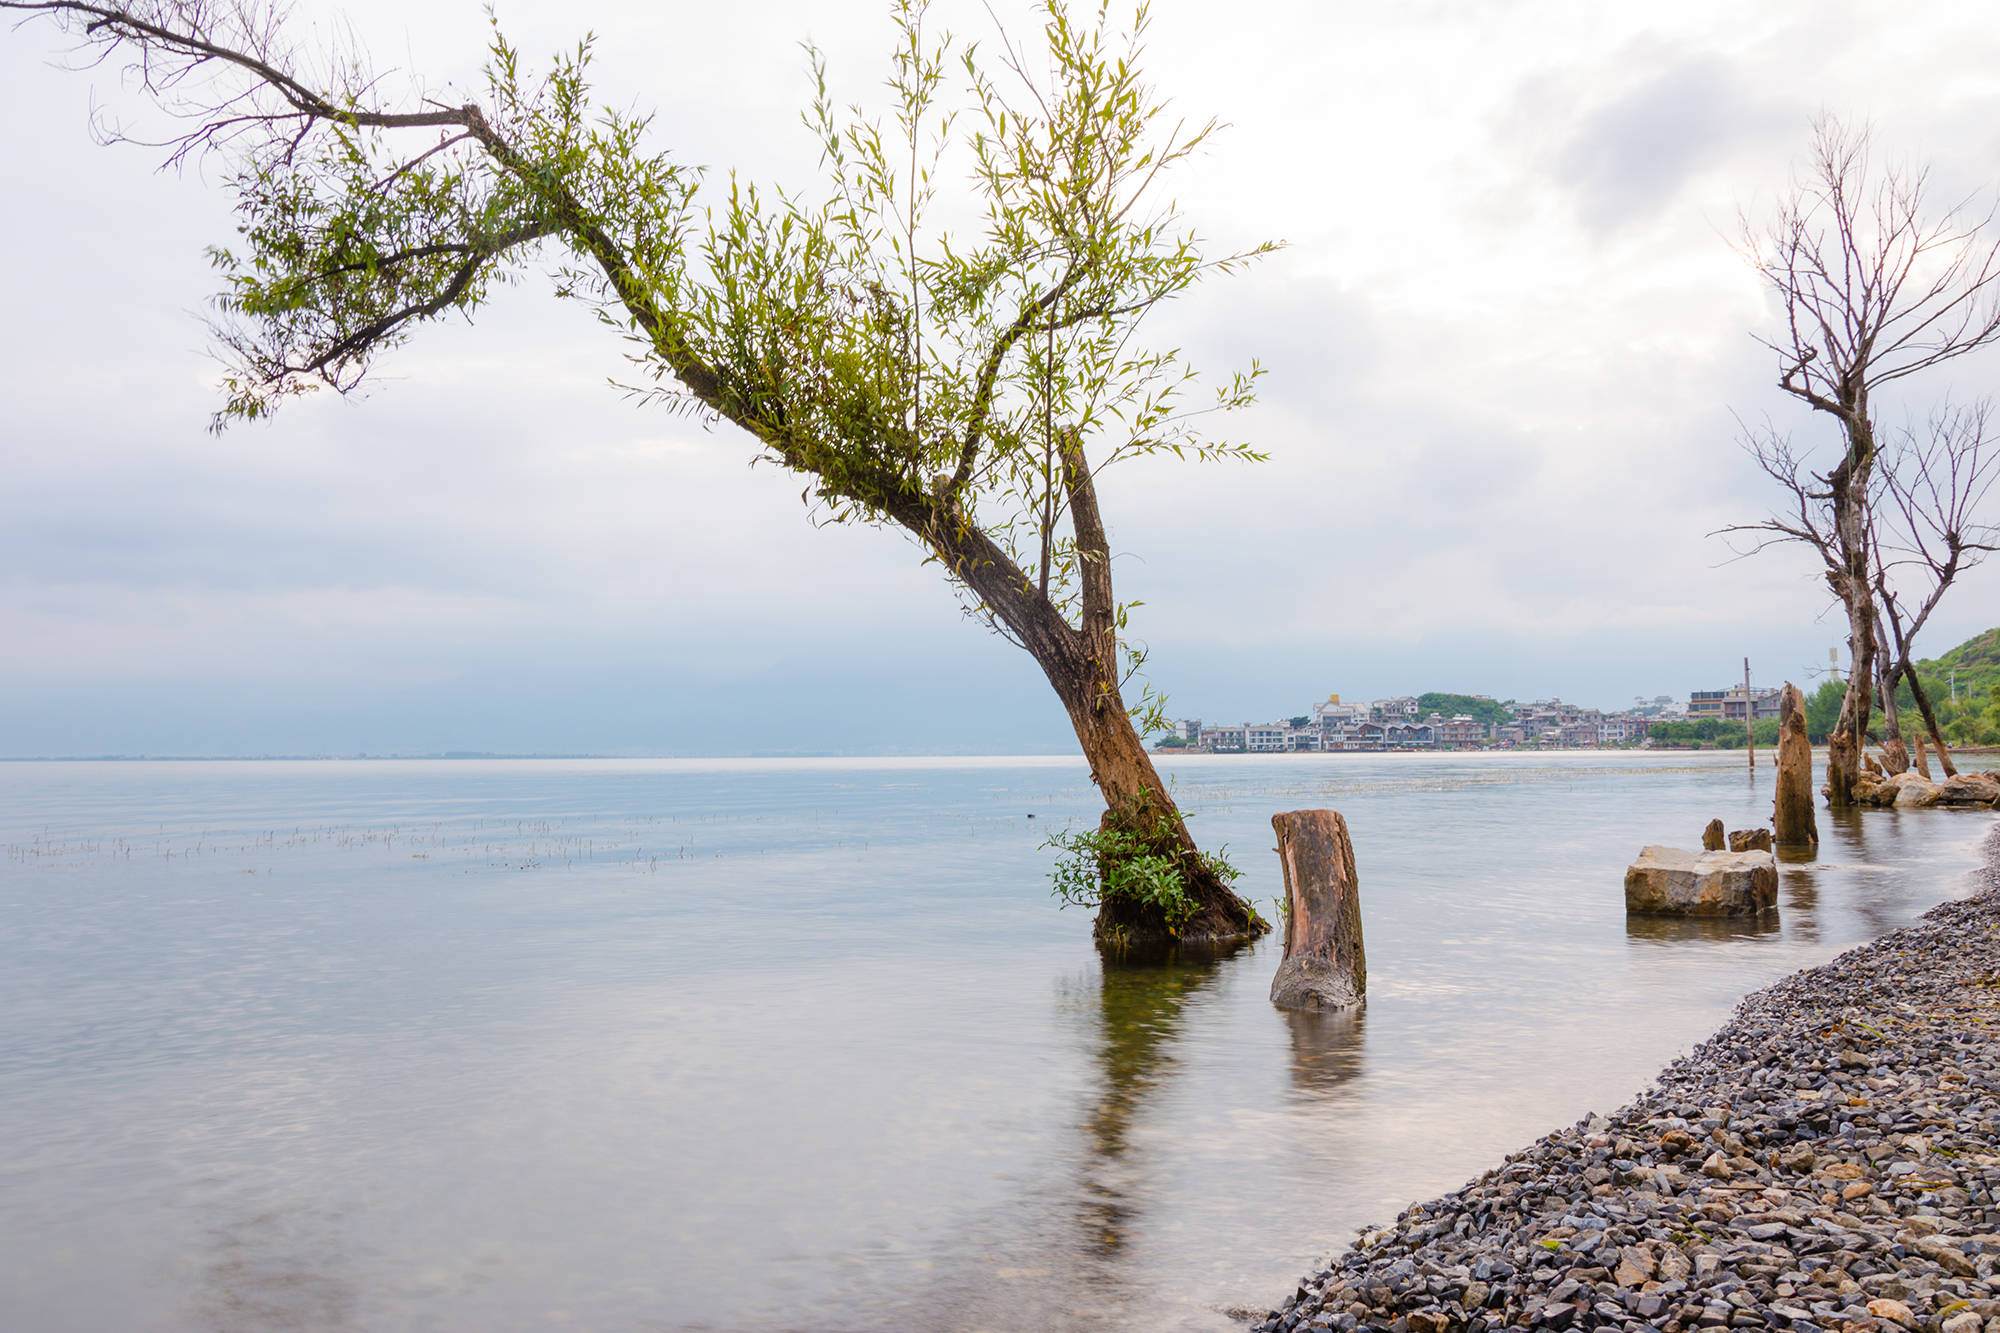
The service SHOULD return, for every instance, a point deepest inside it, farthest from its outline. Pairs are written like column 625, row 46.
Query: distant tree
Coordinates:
column 1300, row 720
column 1451, row 705
column 970, row 386
column 1704, row 731
column 1823, row 707
column 1876, row 285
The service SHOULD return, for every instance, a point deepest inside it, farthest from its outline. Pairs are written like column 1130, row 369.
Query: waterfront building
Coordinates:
column 1732, row 704
column 1459, row 730
column 1580, row 732
column 1225, row 740
column 1267, row 737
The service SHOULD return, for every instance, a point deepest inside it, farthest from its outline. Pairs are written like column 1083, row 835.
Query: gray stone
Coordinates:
column 1671, row 881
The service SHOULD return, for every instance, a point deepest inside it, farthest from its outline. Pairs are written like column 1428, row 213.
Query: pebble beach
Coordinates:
column 1827, row 1160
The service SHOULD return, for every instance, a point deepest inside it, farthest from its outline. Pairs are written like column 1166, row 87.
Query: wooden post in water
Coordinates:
column 1749, row 717
column 1792, row 817
column 1324, row 965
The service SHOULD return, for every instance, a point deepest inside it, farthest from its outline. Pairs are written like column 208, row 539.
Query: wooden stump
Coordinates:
column 1324, row 965
column 1792, row 816
column 1843, row 762
column 1713, row 839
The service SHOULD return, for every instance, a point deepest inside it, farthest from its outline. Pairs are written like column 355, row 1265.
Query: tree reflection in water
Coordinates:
column 1140, row 1003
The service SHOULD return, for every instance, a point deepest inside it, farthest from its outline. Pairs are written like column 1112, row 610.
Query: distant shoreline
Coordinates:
column 460, row 756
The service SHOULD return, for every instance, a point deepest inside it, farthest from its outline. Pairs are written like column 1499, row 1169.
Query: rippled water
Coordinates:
column 806, row 1044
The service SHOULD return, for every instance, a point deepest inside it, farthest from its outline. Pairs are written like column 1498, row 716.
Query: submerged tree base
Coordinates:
column 1152, row 887
column 1216, row 916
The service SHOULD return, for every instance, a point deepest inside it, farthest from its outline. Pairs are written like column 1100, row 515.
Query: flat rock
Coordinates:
column 1968, row 789
column 1671, row 881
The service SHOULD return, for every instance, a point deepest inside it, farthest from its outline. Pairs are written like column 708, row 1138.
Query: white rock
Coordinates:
column 1915, row 795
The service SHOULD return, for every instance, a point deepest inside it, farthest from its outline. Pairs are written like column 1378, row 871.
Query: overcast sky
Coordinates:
column 1505, row 343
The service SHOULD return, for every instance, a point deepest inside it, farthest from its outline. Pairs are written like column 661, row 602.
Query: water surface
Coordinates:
column 806, row 1044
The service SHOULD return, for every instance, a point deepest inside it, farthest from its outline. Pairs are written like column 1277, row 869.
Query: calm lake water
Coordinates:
column 806, row 1044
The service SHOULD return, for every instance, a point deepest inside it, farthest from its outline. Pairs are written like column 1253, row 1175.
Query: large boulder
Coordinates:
column 1969, row 789
column 1892, row 790
column 1671, row 881
column 1750, row 840
column 1907, row 791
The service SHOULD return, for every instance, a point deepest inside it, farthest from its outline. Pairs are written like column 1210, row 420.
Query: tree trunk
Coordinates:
column 1792, row 817
column 1136, row 799
column 1917, row 759
column 1134, row 796
column 1081, row 665
column 1843, row 747
column 1847, row 485
column 1895, row 754
column 1923, row 698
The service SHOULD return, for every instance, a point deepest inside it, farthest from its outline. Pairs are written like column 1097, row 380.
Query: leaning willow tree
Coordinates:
column 968, row 384
column 1875, row 284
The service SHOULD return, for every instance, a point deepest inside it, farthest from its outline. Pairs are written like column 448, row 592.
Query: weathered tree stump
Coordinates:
column 1843, row 762
column 1918, row 760
column 1324, row 965
column 1792, row 816
column 1713, row 839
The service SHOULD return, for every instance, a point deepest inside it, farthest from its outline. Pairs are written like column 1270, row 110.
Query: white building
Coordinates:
column 1268, row 737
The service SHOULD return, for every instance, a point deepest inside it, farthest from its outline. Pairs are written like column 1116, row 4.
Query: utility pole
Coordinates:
column 1749, row 716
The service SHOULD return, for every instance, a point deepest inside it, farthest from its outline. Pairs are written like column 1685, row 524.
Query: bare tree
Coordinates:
column 969, row 388
column 1928, row 531
column 1875, row 285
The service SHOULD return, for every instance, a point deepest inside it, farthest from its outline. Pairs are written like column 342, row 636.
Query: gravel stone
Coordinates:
column 1828, row 1160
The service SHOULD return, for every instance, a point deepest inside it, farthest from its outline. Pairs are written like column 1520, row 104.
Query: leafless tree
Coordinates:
column 1928, row 531
column 1875, row 284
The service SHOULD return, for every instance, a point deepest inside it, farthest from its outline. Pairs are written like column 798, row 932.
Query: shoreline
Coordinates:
column 1827, row 1159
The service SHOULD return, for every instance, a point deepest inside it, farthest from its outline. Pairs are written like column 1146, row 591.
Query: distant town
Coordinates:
column 1466, row 722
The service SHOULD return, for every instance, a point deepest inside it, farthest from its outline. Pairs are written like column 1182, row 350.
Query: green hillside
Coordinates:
column 1492, row 713
column 1975, row 718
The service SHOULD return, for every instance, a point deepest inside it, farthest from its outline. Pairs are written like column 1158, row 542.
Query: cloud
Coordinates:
column 1503, row 351
column 1628, row 152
